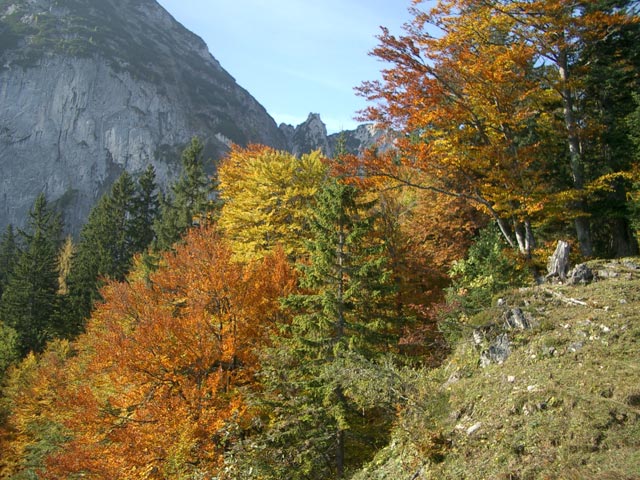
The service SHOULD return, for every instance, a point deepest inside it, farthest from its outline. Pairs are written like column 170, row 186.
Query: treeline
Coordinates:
column 262, row 324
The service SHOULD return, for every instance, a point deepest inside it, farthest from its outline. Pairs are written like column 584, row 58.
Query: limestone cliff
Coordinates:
column 90, row 88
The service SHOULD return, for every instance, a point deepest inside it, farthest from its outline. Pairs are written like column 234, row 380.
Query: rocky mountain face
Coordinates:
column 90, row 88
column 312, row 135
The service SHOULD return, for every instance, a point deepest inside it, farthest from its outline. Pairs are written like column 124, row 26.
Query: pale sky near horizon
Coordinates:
column 296, row 56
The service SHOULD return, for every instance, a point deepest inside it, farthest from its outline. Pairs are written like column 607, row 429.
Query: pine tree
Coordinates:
column 189, row 200
column 8, row 256
column 30, row 301
column 105, row 250
column 145, row 211
column 323, row 419
column 9, row 253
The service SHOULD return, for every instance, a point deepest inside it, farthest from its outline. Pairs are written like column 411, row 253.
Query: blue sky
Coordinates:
column 296, row 56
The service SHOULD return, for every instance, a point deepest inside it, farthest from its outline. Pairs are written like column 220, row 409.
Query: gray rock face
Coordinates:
column 498, row 351
column 92, row 88
column 312, row 135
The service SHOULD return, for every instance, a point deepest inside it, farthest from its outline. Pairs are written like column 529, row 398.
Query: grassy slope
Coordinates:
column 564, row 405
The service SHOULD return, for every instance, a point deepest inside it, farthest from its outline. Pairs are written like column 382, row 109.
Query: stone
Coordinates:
column 474, row 428
column 580, row 274
column 575, row 346
column 515, row 318
column 498, row 351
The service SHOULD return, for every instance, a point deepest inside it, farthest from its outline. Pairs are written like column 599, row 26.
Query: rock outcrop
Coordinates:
column 312, row 135
column 92, row 88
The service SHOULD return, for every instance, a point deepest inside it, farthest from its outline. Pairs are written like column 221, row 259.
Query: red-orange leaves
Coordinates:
column 162, row 361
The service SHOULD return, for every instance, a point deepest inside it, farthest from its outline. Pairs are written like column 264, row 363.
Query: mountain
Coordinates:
column 90, row 88
column 312, row 135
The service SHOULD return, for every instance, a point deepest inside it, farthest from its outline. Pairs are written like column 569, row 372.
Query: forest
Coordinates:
column 265, row 322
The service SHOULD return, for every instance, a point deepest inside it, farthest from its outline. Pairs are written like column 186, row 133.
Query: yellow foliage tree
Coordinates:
column 268, row 197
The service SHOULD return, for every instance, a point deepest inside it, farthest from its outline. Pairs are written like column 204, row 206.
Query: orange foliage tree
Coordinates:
column 154, row 387
column 475, row 87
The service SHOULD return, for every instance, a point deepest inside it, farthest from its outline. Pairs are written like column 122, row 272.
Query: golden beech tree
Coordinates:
column 268, row 197
column 155, row 381
column 473, row 89
column 35, row 426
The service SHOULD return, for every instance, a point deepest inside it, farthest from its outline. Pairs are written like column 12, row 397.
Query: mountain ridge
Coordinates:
column 96, row 87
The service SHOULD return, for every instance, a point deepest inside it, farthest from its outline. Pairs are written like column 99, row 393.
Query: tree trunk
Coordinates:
column 525, row 238
column 340, row 453
column 558, row 265
column 624, row 242
column 582, row 225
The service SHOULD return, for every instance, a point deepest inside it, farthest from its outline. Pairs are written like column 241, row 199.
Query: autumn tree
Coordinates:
column 31, row 396
column 154, row 384
column 566, row 36
column 476, row 86
column 268, row 198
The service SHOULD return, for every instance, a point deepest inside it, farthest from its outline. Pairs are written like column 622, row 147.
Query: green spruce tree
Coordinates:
column 30, row 301
column 189, row 201
column 325, row 415
column 105, row 250
column 8, row 256
column 145, row 211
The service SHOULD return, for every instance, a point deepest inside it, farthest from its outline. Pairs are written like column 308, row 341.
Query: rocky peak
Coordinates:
column 312, row 135
column 308, row 136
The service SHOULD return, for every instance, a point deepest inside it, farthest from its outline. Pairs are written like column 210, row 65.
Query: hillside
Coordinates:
column 565, row 404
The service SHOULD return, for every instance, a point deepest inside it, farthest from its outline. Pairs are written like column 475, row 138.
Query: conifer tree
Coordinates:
column 105, row 250
column 145, row 211
column 8, row 256
column 321, row 422
column 9, row 252
column 188, row 201
column 30, row 301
